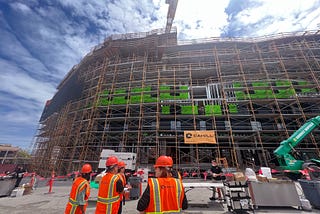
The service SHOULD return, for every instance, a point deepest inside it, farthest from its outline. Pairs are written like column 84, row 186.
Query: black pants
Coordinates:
column 18, row 182
column 120, row 208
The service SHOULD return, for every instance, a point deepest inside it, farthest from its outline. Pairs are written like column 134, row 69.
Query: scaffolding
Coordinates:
column 140, row 92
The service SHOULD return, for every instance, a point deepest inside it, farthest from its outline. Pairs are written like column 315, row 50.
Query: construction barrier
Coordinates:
column 136, row 187
column 311, row 190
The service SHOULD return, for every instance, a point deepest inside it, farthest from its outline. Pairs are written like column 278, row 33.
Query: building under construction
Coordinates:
column 144, row 92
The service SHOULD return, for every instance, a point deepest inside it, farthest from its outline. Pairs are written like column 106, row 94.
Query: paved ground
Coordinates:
column 39, row 201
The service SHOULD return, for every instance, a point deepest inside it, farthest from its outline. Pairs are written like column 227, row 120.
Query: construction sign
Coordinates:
column 198, row 137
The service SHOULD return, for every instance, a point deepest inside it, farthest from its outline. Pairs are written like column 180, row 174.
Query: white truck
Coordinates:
column 128, row 157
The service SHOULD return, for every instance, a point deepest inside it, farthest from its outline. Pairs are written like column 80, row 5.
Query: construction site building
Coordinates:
column 142, row 92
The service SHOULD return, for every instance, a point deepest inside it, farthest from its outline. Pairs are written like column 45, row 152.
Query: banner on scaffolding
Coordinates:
column 198, row 137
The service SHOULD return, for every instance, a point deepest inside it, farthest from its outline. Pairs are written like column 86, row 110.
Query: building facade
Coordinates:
column 143, row 92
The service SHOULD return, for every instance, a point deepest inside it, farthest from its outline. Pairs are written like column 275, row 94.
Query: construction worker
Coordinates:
column 110, row 189
column 121, row 171
column 164, row 194
column 80, row 192
column 217, row 175
column 19, row 173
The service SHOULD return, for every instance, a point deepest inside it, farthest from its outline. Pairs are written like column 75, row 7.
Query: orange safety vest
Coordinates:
column 78, row 186
column 108, row 201
column 124, row 182
column 166, row 195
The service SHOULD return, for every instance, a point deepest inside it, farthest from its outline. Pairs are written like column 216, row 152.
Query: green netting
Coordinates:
column 233, row 109
column 120, row 91
column 103, row 102
column 183, row 96
column 213, row 110
column 119, row 100
column 285, row 93
column 237, row 85
column 135, row 99
column 189, row 110
column 164, row 87
column 105, row 93
column 240, row 95
column 184, row 87
column 136, row 90
column 308, row 90
column 149, row 99
column 165, row 109
column 261, row 94
column 166, row 96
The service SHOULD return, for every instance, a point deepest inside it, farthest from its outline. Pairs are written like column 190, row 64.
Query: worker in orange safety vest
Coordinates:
column 164, row 194
column 80, row 192
column 122, row 176
column 110, row 188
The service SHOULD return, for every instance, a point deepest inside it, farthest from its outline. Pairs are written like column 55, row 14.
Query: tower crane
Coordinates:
column 171, row 13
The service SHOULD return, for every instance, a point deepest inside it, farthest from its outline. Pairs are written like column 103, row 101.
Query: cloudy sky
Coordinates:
column 40, row 41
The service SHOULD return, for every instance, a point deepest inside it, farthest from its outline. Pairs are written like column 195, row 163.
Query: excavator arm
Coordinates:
column 286, row 160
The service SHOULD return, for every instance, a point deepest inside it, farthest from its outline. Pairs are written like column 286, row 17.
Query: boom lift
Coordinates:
column 284, row 152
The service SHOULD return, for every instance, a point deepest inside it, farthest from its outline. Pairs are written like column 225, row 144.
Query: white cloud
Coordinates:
column 20, row 84
column 200, row 19
column 271, row 16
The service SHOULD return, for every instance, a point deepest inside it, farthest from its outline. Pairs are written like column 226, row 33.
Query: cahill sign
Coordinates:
column 197, row 137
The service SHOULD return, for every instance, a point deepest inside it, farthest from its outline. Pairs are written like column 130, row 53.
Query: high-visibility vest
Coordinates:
column 108, row 201
column 166, row 195
column 124, row 182
column 80, row 184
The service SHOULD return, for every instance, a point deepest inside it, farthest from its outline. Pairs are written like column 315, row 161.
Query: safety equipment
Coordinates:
column 112, row 160
column 163, row 161
column 86, row 168
column 79, row 185
column 166, row 195
column 108, row 198
column 121, row 164
column 171, row 160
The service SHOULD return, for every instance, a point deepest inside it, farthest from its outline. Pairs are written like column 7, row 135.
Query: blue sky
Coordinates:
column 40, row 41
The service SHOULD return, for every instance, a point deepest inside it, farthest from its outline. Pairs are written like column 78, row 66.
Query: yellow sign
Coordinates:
column 197, row 137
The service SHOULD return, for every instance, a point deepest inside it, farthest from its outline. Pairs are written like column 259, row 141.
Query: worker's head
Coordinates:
column 121, row 166
column 163, row 166
column 86, row 171
column 214, row 163
column 112, row 164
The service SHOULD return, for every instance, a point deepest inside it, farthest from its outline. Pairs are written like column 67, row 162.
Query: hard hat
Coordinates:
column 112, row 160
column 86, row 168
column 171, row 160
column 121, row 164
column 163, row 161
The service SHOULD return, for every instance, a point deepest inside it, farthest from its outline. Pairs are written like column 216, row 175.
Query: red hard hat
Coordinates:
column 121, row 164
column 112, row 160
column 86, row 168
column 171, row 160
column 163, row 161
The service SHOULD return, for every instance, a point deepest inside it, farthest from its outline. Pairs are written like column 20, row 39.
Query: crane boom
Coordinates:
column 171, row 13
column 286, row 160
